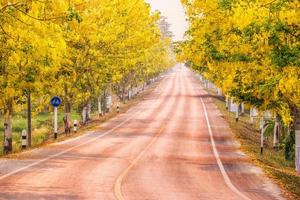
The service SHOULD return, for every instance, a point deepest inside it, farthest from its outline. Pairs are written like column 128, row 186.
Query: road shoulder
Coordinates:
column 285, row 177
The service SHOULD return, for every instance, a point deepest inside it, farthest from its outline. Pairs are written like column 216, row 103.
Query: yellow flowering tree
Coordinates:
column 250, row 49
column 75, row 49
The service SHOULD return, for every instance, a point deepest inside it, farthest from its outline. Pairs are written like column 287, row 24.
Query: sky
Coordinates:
column 174, row 11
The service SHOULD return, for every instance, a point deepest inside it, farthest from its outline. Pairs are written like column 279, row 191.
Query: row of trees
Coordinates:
column 250, row 49
column 77, row 49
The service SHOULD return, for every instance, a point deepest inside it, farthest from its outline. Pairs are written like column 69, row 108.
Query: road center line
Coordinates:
column 118, row 183
column 119, row 180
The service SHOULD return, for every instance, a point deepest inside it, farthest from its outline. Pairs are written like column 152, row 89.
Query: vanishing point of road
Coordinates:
column 173, row 145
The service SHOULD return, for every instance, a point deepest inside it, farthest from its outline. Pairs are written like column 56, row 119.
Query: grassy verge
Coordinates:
column 272, row 161
column 43, row 125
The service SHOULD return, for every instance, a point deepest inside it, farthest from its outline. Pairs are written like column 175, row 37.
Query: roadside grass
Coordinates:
column 272, row 161
column 42, row 125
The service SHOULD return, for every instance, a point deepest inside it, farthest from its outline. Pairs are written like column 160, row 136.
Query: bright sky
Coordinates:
column 174, row 11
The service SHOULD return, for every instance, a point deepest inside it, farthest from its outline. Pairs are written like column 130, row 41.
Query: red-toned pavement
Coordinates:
column 174, row 145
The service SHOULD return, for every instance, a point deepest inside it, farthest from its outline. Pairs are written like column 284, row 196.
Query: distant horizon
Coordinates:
column 174, row 11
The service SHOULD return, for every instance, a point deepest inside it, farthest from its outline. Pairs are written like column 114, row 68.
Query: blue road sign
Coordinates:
column 55, row 101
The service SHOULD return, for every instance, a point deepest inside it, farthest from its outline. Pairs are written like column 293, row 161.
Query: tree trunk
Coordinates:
column 123, row 93
column 251, row 116
column 276, row 131
column 8, row 128
column 219, row 91
column 68, row 106
column 242, row 108
column 237, row 113
column 84, row 115
column 104, row 102
column 99, row 106
column 108, row 103
column 29, row 129
column 231, row 105
column 89, row 111
column 296, row 124
column 227, row 102
column 67, row 118
column 129, row 94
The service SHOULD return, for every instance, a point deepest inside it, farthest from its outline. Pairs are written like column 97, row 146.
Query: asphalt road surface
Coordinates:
column 174, row 145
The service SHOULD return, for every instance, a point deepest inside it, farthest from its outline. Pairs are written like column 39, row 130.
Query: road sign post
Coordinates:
column 55, row 123
column 55, row 102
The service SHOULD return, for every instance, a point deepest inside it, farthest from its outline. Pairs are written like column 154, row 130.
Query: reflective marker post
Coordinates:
column 118, row 108
column 24, row 139
column 75, row 126
column 55, row 102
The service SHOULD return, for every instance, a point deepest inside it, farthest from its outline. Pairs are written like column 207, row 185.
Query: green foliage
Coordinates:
column 284, row 55
column 226, row 4
column 73, row 15
column 289, row 147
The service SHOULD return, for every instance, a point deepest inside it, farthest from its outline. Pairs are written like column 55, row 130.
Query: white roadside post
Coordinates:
column 227, row 102
column 99, row 107
column 24, row 139
column 75, row 126
column 237, row 113
column 118, row 108
column 55, row 102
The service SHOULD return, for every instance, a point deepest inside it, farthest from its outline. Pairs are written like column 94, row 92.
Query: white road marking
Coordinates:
column 74, row 147
column 217, row 156
column 67, row 150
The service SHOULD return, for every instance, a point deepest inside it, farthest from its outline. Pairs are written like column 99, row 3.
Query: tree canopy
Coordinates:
column 250, row 49
column 76, row 49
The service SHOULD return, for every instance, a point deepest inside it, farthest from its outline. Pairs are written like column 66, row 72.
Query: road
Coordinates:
column 174, row 145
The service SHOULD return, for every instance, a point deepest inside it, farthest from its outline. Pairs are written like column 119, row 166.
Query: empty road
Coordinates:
column 174, row 145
